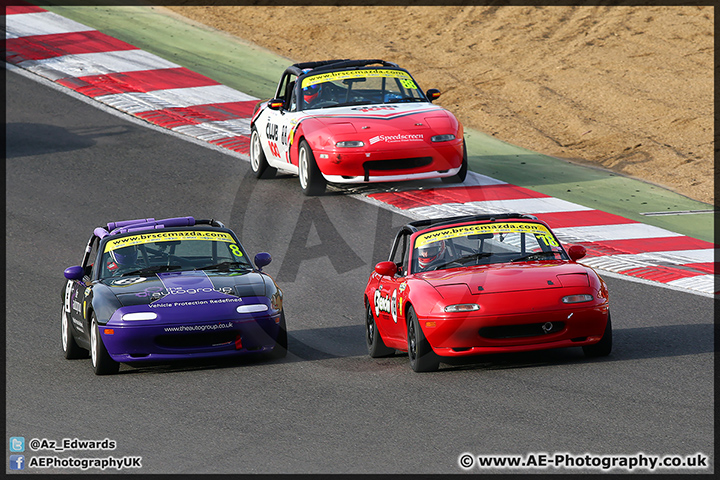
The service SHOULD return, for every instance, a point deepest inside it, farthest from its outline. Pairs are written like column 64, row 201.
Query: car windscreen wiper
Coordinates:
column 405, row 100
column 226, row 266
column 464, row 259
column 151, row 270
column 530, row 256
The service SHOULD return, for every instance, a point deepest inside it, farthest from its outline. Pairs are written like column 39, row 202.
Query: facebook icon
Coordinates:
column 17, row 462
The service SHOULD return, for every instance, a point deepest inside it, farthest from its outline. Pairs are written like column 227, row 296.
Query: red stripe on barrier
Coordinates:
column 142, row 81
column 585, row 218
column 166, row 118
column 41, row 47
column 709, row 268
column 661, row 274
column 178, row 116
column 237, row 144
column 22, row 8
column 226, row 111
column 438, row 196
column 645, row 245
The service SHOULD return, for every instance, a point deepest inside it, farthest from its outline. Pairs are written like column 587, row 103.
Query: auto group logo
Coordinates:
column 401, row 137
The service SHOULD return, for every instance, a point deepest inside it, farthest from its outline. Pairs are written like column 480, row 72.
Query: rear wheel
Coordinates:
column 422, row 357
column 460, row 176
column 311, row 180
column 376, row 346
column 102, row 363
column 69, row 345
column 604, row 346
column 258, row 162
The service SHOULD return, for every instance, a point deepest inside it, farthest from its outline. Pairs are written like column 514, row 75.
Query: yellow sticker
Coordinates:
column 333, row 76
column 167, row 237
column 465, row 230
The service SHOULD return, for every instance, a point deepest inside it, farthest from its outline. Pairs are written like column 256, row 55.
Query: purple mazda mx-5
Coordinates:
column 152, row 291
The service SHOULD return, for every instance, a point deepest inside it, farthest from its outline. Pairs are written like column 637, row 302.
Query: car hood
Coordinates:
column 498, row 278
column 373, row 120
column 185, row 286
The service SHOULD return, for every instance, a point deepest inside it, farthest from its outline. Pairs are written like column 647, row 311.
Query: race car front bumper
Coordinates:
column 484, row 334
column 388, row 165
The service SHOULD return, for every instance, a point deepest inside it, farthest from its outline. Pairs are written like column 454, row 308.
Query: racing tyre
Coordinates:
column 376, row 346
column 604, row 346
column 460, row 176
column 280, row 349
column 258, row 162
column 70, row 347
column 422, row 357
column 102, row 363
column 311, row 180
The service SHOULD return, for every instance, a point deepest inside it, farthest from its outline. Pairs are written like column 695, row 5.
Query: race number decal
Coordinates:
column 68, row 292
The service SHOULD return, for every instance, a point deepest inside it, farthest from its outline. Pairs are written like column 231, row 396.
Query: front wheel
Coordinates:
column 70, row 347
column 312, row 181
column 422, row 357
column 375, row 345
column 102, row 363
column 462, row 173
column 604, row 346
column 258, row 161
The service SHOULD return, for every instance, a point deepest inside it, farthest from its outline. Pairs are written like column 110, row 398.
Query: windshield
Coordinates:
column 359, row 87
column 149, row 253
column 484, row 243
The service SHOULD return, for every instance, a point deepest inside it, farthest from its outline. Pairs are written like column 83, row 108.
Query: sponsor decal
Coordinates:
column 402, row 287
column 125, row 281
column 386, row 304
column 375, row 72
column 496, row 227
column 154, row 292
column 401, row 137
column 196, row 303
column 78, row 324
column 199, row 328
column 271, row 131
column 375, row 108
column 274, row 149
column 166, row 237
column 76, row 306
column 193, row 291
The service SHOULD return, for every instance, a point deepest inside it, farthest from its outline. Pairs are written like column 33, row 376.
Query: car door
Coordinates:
column 77, row 292
column 390, row 295
column 275, row 132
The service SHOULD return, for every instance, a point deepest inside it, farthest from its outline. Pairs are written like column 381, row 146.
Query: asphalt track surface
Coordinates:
column 327, row 407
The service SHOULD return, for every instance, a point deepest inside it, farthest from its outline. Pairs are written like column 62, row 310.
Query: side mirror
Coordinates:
column 576, row 252
column 433, row 94
column 275, row 104
column 386, row 269
column 262, row 259
column 74, row 273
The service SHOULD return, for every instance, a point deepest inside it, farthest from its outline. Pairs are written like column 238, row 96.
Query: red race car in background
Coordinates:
column 354, row 121
column 482, row 284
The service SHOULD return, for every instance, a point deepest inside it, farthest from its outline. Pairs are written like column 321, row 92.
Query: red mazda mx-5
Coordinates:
column 483, row 284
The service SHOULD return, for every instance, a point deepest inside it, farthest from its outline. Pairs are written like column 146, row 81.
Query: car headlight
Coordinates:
column 350, row 144
column 577, row 298
column 462, row 307
column 252, row 308
column 132, row 317
column 442, row 138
